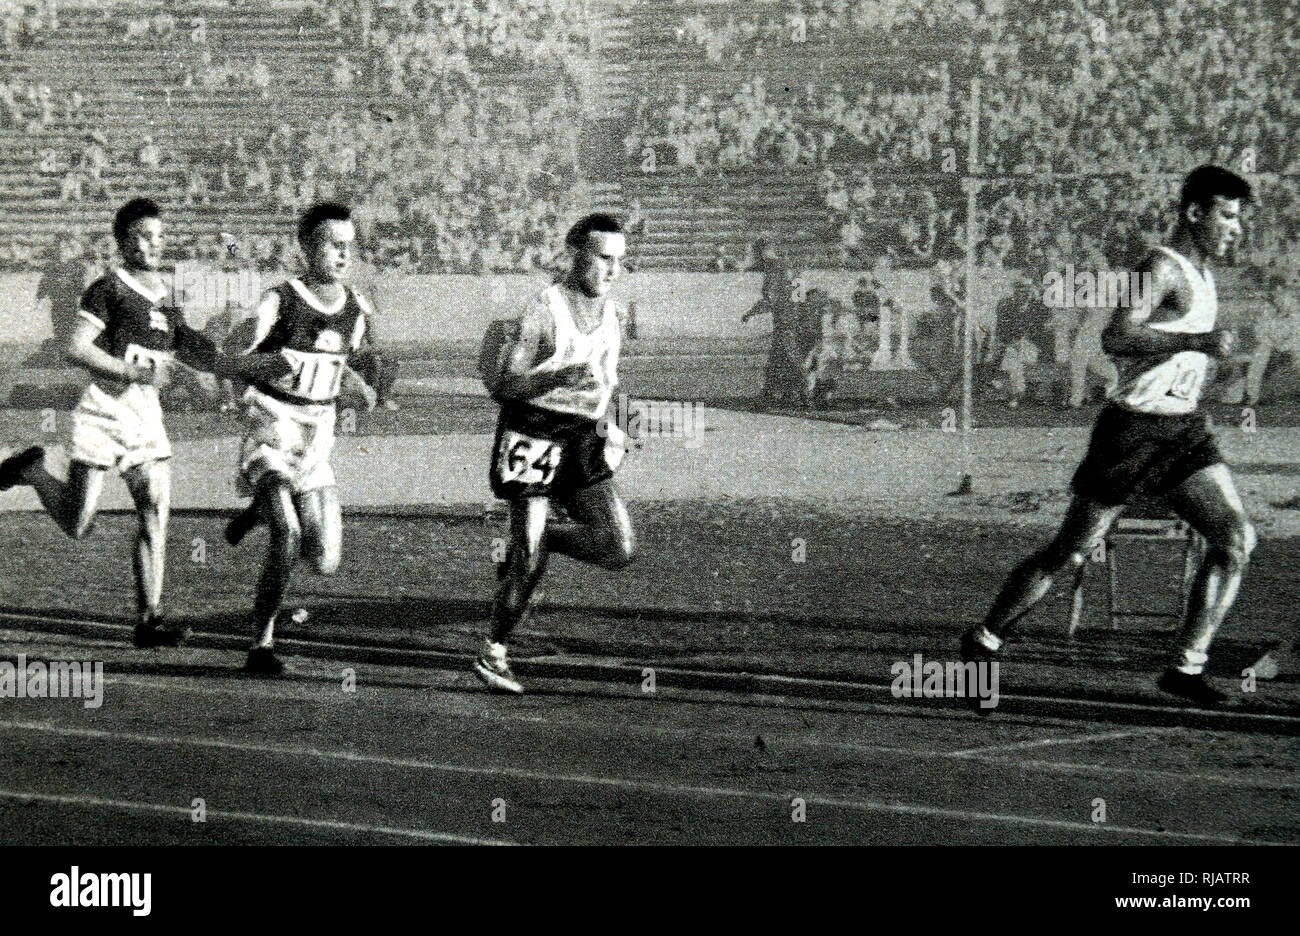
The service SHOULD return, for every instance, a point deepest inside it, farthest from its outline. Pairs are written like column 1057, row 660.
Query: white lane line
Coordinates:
column 652, row 730
column 332, row 824
column 1171, row 776
column 1052, row 742
column 250, row 689
column 774, row 737
column 620, row 783
column 755, row 678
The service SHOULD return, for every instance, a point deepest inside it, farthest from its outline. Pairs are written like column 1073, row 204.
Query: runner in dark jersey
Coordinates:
column 128, row 335
column 314, row 324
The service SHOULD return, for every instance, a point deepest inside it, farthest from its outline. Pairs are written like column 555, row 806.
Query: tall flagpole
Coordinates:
column 968, row 332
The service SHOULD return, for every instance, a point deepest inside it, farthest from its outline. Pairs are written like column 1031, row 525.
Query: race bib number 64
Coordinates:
column 528, row 460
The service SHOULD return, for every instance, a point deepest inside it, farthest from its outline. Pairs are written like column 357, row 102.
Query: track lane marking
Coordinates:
column 1053, row 742
column 643, row 786
column 338, row 825
column 784, row 737
column 759, row 679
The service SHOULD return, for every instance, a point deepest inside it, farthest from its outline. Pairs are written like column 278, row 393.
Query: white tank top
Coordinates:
column 598, row 350
column 1170, row 385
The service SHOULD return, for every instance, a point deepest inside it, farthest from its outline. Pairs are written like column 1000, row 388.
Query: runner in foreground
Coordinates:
column 1152, row 436
column 556, row 378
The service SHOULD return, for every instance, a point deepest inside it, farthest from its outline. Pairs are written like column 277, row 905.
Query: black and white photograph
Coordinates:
column 650, row 423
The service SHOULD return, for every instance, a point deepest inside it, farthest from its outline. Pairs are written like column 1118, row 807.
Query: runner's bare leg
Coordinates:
column 1209, row 502
column 283, row 550
column 150, row 485
column 1085, row 523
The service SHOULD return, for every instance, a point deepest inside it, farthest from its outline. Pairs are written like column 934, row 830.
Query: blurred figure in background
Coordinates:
column 62, row 281
column 784, row 375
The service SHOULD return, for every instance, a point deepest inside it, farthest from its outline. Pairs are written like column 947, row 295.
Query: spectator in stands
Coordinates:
column 75, row 103
column 827, row 333
column 196, row 186
column 1020, row 354
column 138, row 27
column 342, row 73
column 149, row 155
column 260, row 75
column 286, row 192
column 12, row 109
column 31, row 28
column 869, row 312
column 636, row 222
column 71, row 186
column 45, row 102
column 258, row 180
column 1276, row 330
column 164, row 25
column 94, row 160
column 1087, row 357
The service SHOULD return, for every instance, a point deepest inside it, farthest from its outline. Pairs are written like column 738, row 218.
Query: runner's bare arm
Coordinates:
column 1129, row 333
column 354, row 380
column 521, row 378
column 83, row 352
column 252, row 365
column 195, row 349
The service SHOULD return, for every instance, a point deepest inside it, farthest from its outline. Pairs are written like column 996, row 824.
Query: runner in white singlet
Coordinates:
column 554, row 378
column 1153, row 438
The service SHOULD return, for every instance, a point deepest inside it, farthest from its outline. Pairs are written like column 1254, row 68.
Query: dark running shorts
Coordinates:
column 1140, row 452
column 537, row 453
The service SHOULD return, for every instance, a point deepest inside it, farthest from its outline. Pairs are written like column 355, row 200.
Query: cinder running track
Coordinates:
column 771, row 719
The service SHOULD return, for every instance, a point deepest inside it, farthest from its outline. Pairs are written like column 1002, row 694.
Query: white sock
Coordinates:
column 1191, row 662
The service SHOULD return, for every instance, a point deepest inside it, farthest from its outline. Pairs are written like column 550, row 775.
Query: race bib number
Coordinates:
column 146, row 357
column 315, row 376
column 528, row 460
column 1186, row 384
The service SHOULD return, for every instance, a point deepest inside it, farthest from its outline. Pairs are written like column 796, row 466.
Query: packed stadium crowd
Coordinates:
column 454, row 131
column 440, row 140
column 23, row 25
column 1078, row 112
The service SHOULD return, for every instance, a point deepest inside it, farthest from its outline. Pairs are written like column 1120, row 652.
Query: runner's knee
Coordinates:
column 285, row 543
column 619, row 551
column 1236, row 544
column 1058, row 556
column 528, row 560
column 149, row 525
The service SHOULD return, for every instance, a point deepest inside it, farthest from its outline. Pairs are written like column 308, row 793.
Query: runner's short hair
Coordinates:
column 1205, row 182
column 597, row 223
column 317, row 215
column 132, row 212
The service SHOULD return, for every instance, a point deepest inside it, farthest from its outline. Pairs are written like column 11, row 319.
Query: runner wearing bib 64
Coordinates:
column 554, row 375
column 1152, row 437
